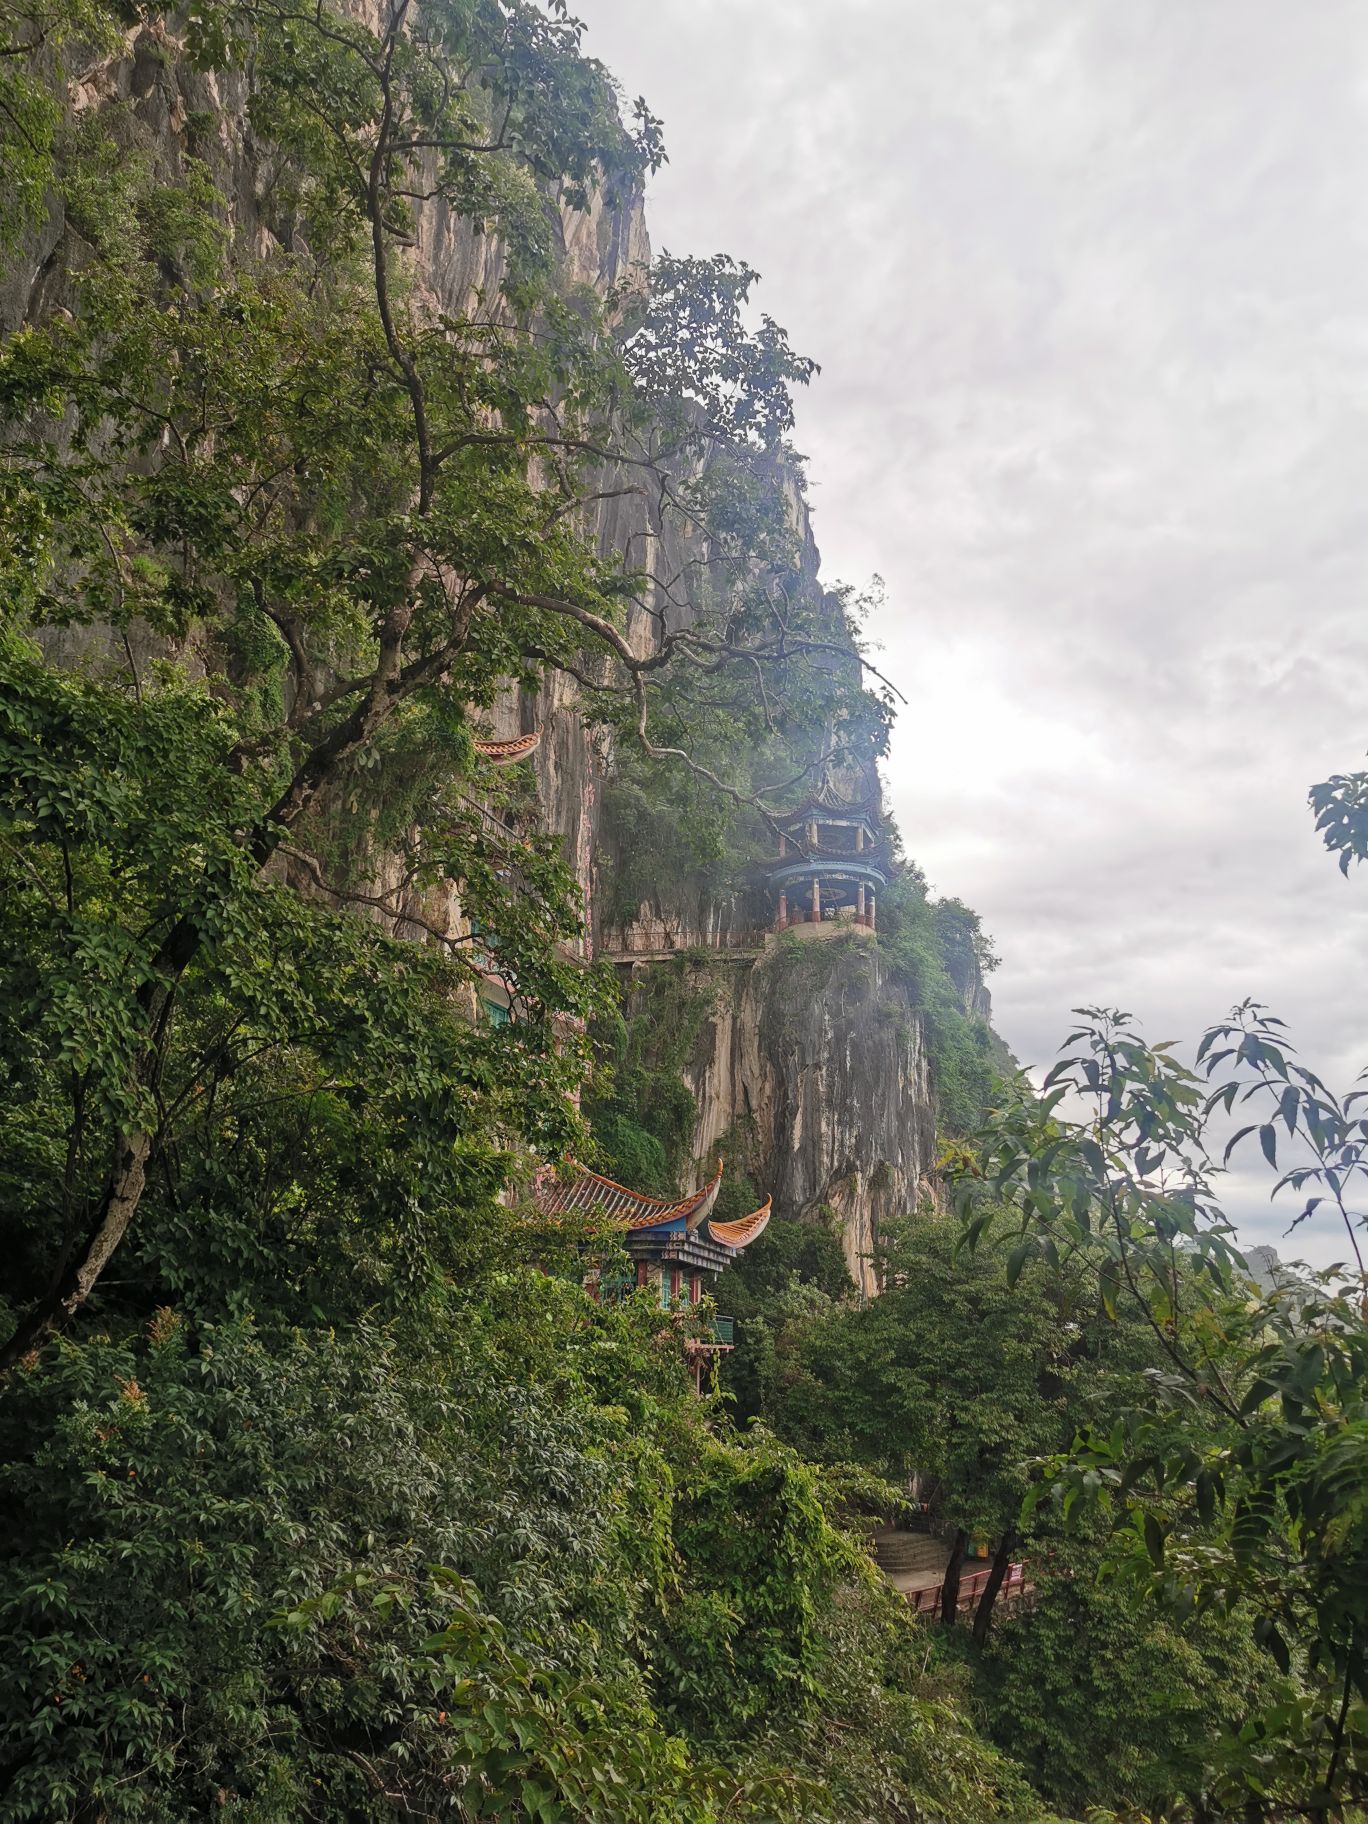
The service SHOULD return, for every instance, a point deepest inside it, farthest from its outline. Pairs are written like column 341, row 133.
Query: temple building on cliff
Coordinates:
column 675, row 1246
column 833, row 859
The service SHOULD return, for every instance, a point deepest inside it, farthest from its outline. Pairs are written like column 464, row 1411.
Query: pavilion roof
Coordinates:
column 737, row 1234
column 588, row 1192
column 829, row 797
column 506, row 753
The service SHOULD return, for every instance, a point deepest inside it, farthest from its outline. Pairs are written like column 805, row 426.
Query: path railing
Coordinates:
column 1015, row 1588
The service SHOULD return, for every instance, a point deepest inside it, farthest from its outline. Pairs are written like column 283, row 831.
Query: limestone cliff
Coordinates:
column 822, row 1059
column 811, row 1070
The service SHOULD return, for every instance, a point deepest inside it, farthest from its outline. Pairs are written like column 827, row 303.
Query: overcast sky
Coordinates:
column 1089, row 288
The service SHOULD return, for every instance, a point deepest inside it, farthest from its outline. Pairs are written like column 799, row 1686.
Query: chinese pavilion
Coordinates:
column 832, row 860
column 675, row 1246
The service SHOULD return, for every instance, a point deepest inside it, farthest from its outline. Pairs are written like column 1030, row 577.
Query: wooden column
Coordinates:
column 783, row 910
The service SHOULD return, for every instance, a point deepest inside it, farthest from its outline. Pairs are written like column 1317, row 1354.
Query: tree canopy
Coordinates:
column 339, row 415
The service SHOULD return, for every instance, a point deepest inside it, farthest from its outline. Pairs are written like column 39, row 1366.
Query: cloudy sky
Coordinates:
column 1089, row 287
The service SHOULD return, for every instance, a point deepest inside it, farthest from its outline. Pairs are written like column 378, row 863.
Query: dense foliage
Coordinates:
column 1236, row 1485
column 937, row 951
column 640, row 1109
column 952, row 1385
column 318, row 1501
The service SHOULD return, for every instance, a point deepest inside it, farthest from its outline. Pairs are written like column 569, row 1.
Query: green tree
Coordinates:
column 367, row 518
column 938, row 951
column 1106, row 1704
column 967, row 1384
column 948, row 1384
column 1341, row 807
column 1237, row 1485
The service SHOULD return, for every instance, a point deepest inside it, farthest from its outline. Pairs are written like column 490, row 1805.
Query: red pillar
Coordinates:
column 694, row 1289
column 643, row 1277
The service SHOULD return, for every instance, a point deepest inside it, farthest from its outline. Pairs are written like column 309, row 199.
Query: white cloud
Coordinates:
column 1087, row 286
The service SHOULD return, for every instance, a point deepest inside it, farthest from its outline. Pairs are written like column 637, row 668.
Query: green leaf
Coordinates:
column 1206, row 1497
column 1017, row 1259
column 1268, row 1635
column 1154, row 1540
column 1259, row 1391
column 1235, row 1140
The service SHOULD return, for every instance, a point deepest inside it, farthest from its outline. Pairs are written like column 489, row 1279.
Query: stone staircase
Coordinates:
column 914, row 1563
column 910, row 1561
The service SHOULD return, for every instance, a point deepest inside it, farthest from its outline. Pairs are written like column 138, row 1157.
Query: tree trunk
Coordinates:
column 124, row 1190
column 78, row 1278
column 950, row 1588
column 983, row 1615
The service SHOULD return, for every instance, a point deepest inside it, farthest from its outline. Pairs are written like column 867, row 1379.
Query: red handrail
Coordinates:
column 927, row 1599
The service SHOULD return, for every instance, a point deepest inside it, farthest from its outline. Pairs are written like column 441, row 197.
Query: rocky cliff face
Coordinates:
column 820, row 1059
column 812, row 1068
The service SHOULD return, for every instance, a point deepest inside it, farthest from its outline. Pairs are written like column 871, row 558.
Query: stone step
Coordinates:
column 910, row 1558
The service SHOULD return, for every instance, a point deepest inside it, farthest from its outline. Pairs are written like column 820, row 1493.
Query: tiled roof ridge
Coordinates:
column 555, row 1194
column 744, row 1230
column 585, row 1171
column 503, row 753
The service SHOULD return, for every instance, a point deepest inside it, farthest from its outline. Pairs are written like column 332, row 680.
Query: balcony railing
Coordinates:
column 718, row 1332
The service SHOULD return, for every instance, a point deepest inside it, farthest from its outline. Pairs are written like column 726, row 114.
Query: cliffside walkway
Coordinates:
column 915, row 1564
column 746, row 944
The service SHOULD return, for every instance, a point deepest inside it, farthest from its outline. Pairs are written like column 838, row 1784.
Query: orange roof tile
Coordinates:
column 590, row 1192
column 504, row 753
column 744, row 1230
